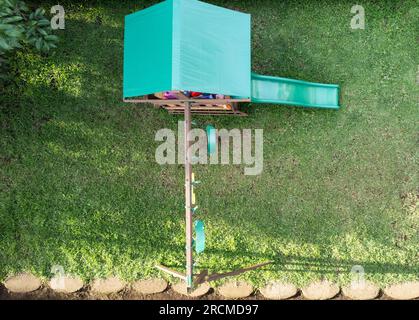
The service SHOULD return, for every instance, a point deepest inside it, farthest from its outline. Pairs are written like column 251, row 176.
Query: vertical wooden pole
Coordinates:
column 188, row 197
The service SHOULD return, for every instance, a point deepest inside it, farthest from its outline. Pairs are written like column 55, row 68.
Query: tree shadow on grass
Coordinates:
column 293, row 263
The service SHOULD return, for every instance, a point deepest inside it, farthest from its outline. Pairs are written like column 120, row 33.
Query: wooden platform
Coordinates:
column 198, row 106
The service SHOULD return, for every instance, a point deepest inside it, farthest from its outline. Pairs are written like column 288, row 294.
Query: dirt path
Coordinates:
column 127, row 294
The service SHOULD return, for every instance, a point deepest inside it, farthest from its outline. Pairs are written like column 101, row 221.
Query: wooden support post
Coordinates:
column 203, row 276
column 188, row 198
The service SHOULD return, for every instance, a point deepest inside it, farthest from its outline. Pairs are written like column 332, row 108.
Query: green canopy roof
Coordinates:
column 187, row 45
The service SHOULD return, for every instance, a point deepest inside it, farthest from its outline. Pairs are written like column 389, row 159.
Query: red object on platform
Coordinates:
column 195, row 94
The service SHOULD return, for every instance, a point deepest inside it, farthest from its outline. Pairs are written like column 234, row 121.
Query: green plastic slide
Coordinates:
column 267, row 89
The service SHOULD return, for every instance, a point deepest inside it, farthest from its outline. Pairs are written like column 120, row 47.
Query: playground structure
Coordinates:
column 190, row 57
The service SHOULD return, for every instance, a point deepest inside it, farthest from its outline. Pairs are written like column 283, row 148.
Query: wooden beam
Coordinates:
column 193, row 101
column 170, row 271
column 188, row 197
column 211, row 113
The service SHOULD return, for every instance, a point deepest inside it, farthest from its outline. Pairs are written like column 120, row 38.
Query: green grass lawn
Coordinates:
column 80, row 186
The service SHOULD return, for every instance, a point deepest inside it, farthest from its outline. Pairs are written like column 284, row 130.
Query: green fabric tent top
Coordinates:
column 187, row 45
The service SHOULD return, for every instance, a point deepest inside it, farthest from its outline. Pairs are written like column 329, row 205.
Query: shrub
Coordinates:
column 20, row 27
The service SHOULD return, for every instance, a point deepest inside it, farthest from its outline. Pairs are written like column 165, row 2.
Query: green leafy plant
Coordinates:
column 20, row 27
